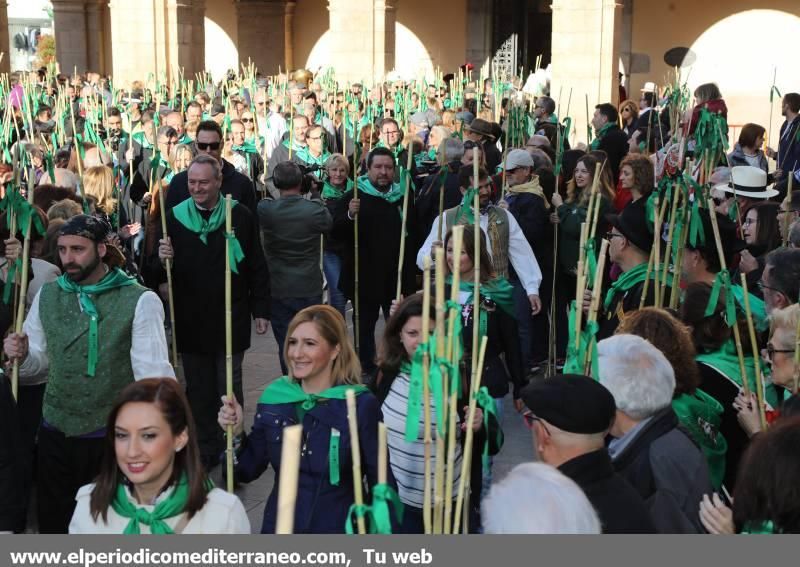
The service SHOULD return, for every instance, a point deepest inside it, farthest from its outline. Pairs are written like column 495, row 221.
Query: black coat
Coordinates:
column 198, row 279
column 235, row 184
column 615, row 145
column 379, row 248
column 12, row 463
column 620, row 508
column 427, row 201
column 622, row 303
column 533, row 218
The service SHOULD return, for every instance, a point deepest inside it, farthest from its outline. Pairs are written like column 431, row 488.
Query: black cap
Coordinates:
column 632, row 223
column 217, row 109
column 728, row 235
column 572, row 403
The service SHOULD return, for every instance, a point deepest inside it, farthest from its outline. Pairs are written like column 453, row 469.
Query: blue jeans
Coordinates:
column 332, row 266
column 283, row 311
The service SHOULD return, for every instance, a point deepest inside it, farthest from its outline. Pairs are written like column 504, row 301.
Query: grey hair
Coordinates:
column 540, row 159
column 167, row 132
column 637, row 374
column 452, row 150
column 794, row 234
column 204, row 159
column 338, row 159
column 536, row 498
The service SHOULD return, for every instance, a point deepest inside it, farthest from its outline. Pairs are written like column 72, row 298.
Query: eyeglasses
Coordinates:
column 782, row 212
column 313, row 137
column 771, row 350
column 248, row 120
column 762, row 286
column 530, row 418
column 391, row 132
column 208, row 146
column 610, row 235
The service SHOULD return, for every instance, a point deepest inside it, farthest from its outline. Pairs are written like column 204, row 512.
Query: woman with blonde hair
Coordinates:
column 98, row 183
column 322, row 367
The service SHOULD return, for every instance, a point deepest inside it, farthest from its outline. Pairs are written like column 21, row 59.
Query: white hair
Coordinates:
column 637, row 374
column 536, row 498
column 453, row 149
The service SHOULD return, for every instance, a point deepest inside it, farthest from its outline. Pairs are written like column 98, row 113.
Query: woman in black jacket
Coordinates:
column 393, row 385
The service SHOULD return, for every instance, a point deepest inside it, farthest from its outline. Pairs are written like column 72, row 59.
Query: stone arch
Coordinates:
column 221, row 37
column 430, row 35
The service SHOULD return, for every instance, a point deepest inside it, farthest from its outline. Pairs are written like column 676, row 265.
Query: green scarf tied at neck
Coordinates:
column 171, row 506
column 189, row 216
column 465, row 211
column 629, row 279
column 725, row 360
column 305, row 156
column 601, row 134
column 331, row 192
column 576, row 355
column 285, row 390
column 116, row 278
column 378, row 515
column 393, row 195
column 248, row 147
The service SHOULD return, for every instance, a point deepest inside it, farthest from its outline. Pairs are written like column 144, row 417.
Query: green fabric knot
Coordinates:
column 236, row 253
column 171, row 506
column 722, row 282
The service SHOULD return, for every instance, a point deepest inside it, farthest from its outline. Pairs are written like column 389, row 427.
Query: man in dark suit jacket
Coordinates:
column 570, row 418
column 609, row 137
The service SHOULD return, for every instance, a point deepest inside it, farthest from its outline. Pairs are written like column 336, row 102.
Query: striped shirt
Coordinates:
column 408, row 459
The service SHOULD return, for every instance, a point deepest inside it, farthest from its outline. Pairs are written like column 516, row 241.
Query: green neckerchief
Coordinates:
column 497, row 290
column 600, row 134
column 116, row 278
column 171, row 506
column 305, row 156
column 189, row 216
column 296, row 146
column 331, row 192
column 393, row 195
column 759, row 528
column 248, row 148
column 185, row 140
column 757, row 307
column 378, row 515
column 395, row 151
column 626, row 281
column 701, row 415
column 725, row 360
column 142, row 140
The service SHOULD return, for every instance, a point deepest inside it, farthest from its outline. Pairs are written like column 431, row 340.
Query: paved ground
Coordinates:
column 261, row 367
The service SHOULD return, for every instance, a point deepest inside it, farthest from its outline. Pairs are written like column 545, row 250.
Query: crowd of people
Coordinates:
column 661, row 399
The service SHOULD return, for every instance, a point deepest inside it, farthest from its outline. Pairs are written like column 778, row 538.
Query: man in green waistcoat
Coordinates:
column 62, row 337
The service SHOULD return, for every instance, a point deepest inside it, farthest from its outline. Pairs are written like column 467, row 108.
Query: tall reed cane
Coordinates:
column 228, row 339
column 23, row 285
column 170, row 291
column 401, row 257
column 289, row 475
column 426, row 401
column 355, row 452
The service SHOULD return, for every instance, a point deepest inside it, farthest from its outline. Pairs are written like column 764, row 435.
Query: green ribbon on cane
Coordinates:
column 722, row 281
column 487, row 404
column 378, row 516
column 576, row 355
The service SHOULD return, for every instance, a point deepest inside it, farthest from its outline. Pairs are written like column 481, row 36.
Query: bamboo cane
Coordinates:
column 736, row 334
column 595, row 304
column 383, row 459
column 771, row 107
column 440, row 351
column 676, row 287
column 652, row 262
column 170, row 291
column 676, row 195
column 581, row 285
column 426, row 401
column 751, row 329
column 443, row 163
column 23, row 285
column 401, row 258
column 290, row 469
column 356, row 299
column 466, row 457
column 355, row 451
column 228, row 338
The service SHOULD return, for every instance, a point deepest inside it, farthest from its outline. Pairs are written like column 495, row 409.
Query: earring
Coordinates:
column 178, row 449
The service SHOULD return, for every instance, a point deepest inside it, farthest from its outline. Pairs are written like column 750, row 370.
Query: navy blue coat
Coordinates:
column 321, row 507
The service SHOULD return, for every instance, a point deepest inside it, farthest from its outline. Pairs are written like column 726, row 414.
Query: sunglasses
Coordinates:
column 248, row 120
column 208, row 146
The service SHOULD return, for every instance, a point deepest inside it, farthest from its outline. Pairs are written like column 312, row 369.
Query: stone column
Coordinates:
column 586, row 45
column 163, row 36
column 362, row 34
column 72, row 35
column 5, row 41
column 266, row 34
column 96, row 36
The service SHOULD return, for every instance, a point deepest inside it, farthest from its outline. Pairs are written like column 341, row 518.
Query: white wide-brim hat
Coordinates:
column 748, row 181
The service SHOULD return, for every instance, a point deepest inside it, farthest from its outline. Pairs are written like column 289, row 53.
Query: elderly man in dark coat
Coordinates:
column 570, row 417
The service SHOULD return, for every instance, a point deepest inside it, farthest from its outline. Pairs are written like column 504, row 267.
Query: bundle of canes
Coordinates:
column 401, row 256
column 597, row 293
column 23, row 283
column 466, row 457
column 737, row 338
column 426, row 401
column 168, row 267
column 676, row 197
column 289, row 474
column 356, row 268
column 751, row 329
column 654, row 263
column 228, row 339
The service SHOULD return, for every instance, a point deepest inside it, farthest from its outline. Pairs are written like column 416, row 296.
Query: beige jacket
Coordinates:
column 223, row 513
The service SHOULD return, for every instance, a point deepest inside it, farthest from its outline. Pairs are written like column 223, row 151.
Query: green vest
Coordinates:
column 75, row 403
column 499, row 235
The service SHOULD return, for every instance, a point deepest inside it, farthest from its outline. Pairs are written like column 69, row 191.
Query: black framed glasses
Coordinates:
column 207, row 146
column 771, row 350
column 530, row 418
column 762, row 286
